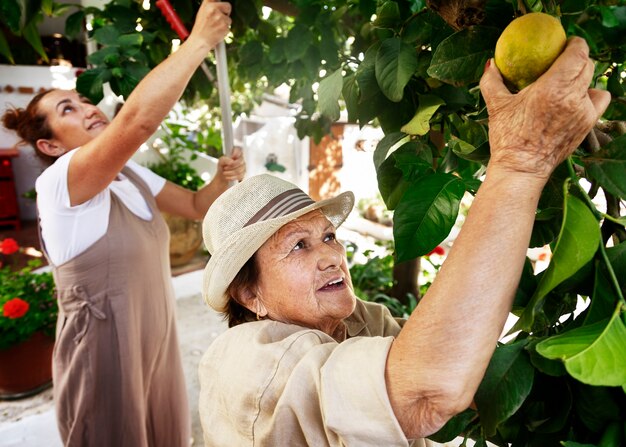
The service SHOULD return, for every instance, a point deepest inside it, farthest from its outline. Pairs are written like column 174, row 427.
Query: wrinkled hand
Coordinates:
column 231, row 168
column 212, row 22
column 539, row 127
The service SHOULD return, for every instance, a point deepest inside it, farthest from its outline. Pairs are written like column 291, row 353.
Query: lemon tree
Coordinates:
column 412, row 67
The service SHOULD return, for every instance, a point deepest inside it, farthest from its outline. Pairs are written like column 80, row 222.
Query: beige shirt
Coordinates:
column 267, row 383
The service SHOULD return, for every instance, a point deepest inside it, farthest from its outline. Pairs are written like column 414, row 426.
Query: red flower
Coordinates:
column 15, row 308
column 438, row 250
column 9, row 246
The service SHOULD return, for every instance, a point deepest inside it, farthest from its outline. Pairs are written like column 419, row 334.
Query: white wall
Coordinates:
column 27, row 167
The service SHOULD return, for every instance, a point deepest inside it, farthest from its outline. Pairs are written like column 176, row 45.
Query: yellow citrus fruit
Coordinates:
column 528, row 46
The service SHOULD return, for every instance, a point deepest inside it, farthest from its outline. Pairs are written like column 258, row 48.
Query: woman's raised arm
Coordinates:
column 436, row 363
column 97, row 163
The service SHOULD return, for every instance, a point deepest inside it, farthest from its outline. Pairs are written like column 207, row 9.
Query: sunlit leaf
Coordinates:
column 577, row 244
column 594, row 354
column 329, row 93
column 420, row 123
column 350, row 92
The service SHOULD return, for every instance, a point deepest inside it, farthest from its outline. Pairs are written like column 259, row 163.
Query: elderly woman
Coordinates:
column 307, row 363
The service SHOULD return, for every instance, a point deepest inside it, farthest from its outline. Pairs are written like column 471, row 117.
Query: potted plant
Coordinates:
column 28, row 314
column 177, row 147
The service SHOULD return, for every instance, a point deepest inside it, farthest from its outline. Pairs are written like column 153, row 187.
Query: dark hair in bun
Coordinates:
column 29, row 124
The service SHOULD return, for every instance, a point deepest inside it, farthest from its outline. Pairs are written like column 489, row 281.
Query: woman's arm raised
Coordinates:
column 436, row 363
column 97, row 163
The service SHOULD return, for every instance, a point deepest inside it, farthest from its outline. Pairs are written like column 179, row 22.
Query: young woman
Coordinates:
column 117, row 370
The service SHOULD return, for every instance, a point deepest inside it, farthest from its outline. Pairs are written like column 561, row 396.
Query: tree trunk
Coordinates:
column 405, row 280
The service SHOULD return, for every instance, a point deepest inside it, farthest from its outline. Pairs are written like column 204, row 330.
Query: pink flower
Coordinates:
column 9, row 246
column 15, row 308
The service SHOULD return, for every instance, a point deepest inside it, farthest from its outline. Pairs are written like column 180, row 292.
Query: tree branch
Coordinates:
column 283, row 6
column 459, row 14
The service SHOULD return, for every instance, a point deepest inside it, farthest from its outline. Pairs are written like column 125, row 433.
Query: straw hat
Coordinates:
column 245, row 216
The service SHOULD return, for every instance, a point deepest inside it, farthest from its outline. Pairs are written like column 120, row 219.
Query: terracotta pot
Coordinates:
column 26, row 368
column 185, row 238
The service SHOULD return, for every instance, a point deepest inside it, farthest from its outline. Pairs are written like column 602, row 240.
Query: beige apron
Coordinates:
column 118, row 378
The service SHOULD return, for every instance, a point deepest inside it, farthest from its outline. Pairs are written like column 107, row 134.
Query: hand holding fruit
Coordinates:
column 536, row 129
column 528, row 46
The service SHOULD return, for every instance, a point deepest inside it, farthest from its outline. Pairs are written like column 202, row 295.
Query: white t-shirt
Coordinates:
column 67, row 230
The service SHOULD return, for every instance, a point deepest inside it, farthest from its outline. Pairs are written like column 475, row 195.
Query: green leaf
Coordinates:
column 328, row 93
column 387, row 146
column 425, row 214
column 60, row 10
column 350, row 93
column 106, row 55
column 603, row 300
column 594, row 354
column 454, row 427
column 391, row 182
column 576, row 444
column 369, row 91
column 577, row 244
column 617, row 258
column 277, row 51
column 47, row 6
column 251, row 53
column 507, row 382
column 297, row 43
column 107, row 35
column 31, row 34
column 396, row 62
column 415, row 162
column 549, row 405
column 550, row 367
column 387, row 15
column 420, row 123
column 130, row 41
column 460, row 59
column 11, row 14
column 608, row 17
column 5, row 50
column 594, row 406
column 89, row 84
column 74, row 23
column 608, row 165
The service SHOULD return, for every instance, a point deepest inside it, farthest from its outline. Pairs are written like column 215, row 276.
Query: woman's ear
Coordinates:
column 249, row 299
column 50, row 148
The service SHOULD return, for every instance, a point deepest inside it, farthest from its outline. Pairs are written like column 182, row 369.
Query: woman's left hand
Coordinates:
column 233, row 167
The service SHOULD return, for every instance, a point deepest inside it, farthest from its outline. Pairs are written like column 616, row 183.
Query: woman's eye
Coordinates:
column 330, row 237
column 298, row 246
column 67, row 109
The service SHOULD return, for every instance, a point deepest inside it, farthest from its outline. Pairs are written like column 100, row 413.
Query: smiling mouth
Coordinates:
column 335, row 284
column 97, row 124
